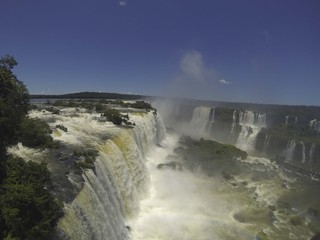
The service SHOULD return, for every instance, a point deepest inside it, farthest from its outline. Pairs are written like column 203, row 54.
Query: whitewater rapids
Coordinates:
column 128, row 197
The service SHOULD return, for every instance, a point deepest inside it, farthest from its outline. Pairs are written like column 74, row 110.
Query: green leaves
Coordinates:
column 27, row 208
column 209, row 155
column 7, row 62
column 14, row 99
column 35, row 133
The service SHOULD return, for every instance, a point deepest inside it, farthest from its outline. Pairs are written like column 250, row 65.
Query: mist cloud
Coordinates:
column 193, row 68
column 194, row 79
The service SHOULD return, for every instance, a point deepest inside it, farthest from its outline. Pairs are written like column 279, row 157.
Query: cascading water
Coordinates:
column 211, row 120
column 311, row 152
column 286, row 121
column 303, row 153
column 251, row 124
column 266, row 143
column 127, row 196
column 314, row 124
column 287, row 154
column 233, row 126
column 202, row 119
column 112, row 191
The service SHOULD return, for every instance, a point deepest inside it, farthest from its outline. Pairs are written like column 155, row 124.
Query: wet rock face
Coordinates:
column 316, row 237
column 170, row 165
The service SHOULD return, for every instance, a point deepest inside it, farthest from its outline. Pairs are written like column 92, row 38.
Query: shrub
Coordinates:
column 28, row 209
column 113, row 116
column 36, row 133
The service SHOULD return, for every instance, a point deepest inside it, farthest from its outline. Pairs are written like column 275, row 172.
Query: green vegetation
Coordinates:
column 141, row 105
column 35, row 133
column 113, row 116
column 87, row 158
column 211, row 156
column 99, row 105
column 91, row 95
column 13, row 104
column 296, row 220
column 27, row 209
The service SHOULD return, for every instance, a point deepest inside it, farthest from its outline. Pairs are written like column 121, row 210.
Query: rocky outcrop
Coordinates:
column 170, row 165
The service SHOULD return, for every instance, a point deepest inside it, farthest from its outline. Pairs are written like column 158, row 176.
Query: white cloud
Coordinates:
column 222, row 81
column 122, row 3
column 195, row 78
column 193, row 68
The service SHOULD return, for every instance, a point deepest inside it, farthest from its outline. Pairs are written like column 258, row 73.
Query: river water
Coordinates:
column 263, row 201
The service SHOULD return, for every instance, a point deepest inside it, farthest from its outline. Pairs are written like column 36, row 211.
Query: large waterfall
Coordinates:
column 111, row 192
column 125, row 195
column 202, row 120
column 287, row 154
column 251, row 124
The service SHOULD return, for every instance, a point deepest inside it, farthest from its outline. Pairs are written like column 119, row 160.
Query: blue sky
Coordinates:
column 264, row 51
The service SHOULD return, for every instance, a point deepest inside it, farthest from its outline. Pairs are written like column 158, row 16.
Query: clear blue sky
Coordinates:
column 265, row 51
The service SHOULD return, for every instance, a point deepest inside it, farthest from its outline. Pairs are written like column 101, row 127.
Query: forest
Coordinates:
column 28, row 209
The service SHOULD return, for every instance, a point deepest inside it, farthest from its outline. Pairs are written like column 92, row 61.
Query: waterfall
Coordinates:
column 211, row 119
column 311, row 152
column 287, row 120
column 287, row 154
column 296, row 120
column 251, row 124
column 202, row 119
column 314, row 124
column 112, row 192
column 303, row 157
column 233, row 126
column 266, row 144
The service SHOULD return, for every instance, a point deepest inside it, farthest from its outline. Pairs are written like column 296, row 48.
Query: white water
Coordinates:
column 266, row 144
column 314, row 124
column 127, row 188
column 233, row 126
column 287, row 120
column 311, row 152
column 251, row 124
column 110, row 195
column 303, row 157
column 202, row 119
column 185, row 205
column 287, row 154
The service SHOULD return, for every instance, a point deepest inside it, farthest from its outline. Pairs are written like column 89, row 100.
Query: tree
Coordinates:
column 27, row 209
column 14, row 102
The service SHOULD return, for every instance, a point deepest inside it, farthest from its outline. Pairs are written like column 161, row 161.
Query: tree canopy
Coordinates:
column 27, row 209
column 14, row 100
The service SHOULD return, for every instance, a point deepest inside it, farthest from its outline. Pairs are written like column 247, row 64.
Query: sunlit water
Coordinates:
column 129, row 197
column 262, row 201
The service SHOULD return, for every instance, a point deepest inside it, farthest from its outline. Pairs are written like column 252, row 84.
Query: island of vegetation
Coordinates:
column 212, row 157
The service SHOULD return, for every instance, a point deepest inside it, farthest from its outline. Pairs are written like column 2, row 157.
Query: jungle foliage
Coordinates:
column 212, row 157
column 27, row 209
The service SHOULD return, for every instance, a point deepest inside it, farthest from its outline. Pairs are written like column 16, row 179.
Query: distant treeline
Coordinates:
column 90, row 95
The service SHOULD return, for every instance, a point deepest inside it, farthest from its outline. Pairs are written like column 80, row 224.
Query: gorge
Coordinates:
column 108, row 177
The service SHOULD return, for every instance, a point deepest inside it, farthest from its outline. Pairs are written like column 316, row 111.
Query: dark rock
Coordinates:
column 173, row 165
column 315, row 237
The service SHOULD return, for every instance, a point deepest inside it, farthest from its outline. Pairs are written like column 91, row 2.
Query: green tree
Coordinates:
column 14, row 102
column 35, row 133
column 28, row 209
